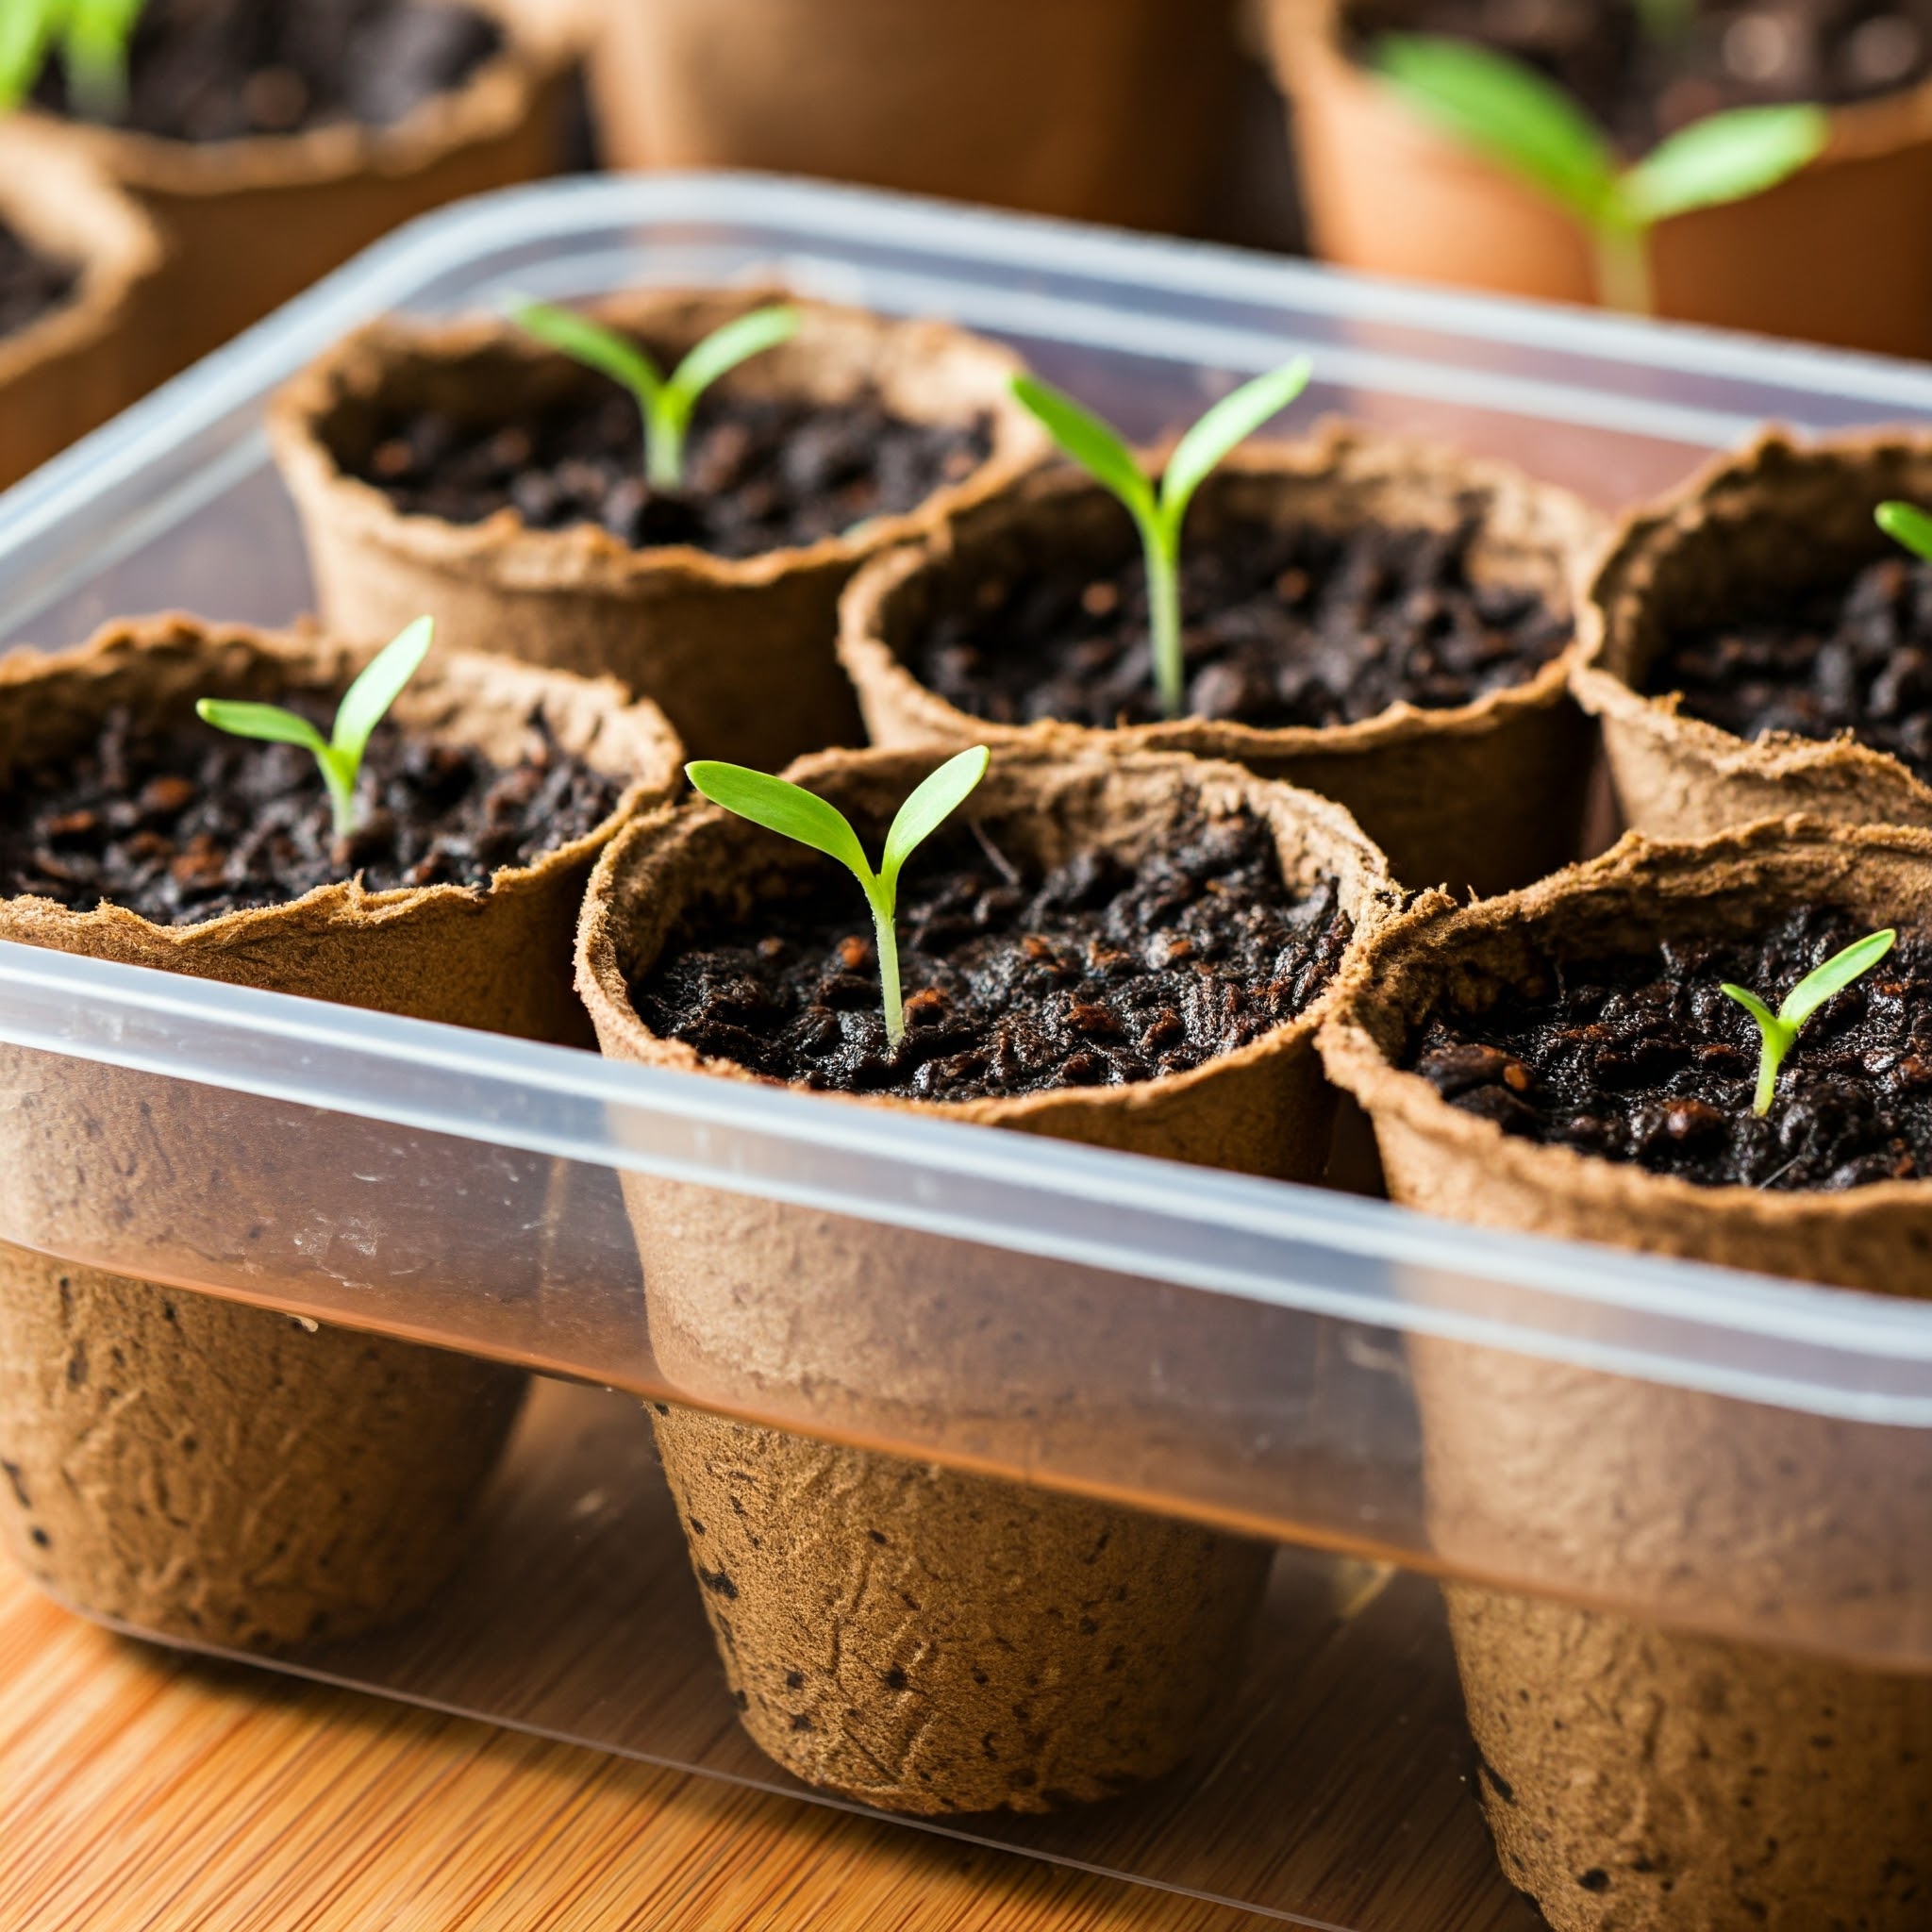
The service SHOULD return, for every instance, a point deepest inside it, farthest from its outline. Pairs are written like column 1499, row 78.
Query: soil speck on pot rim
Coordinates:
column 1285, row 625
column 1102, row 972
column 178, row 821
column 1641, row 1057
column 761, row 473
column 31, row 284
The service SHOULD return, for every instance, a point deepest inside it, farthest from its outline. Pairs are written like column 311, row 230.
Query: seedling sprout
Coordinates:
column 1509, row 112
column 789, row 809
column 665, row 402
column 93, row 37
column 364, row 705
column 1779, row 1030
column 1905, row 523
column 1158, row 512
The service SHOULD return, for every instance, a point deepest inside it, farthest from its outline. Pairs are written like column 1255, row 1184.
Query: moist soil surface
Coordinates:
column 223, row 70
column 1640, row 87
column 1282, row 626
column 760, row 473
column 1642, row 1059
column 1819, row 662
column 1101, row 973
column 30, row 283
column 182, row 822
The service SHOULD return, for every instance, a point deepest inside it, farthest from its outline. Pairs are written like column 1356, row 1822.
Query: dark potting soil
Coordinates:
column 1642, row 1059
column 1281, row 626
column 1853, row 658
column 30, row 283
column 1640, row 87
column 1099, row 974
column 760, row 473
column 181, row 823
column 222, row 70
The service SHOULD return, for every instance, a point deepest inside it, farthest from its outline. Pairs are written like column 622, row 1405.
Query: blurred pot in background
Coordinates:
column 1108, row 110
column 1840, row 251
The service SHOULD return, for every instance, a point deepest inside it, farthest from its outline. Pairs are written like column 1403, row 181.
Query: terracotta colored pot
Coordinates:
column 1106, row 111
column 737, row 652
column 1484, row 796
column 1639, row 1778
column 250, row 223
column 73, row 367
column 1777, row 514
column 1841, row 252
column 921, row 1639
column 206, row 1469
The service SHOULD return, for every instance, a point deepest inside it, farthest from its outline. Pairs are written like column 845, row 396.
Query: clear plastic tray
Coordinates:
column 1216, row 1347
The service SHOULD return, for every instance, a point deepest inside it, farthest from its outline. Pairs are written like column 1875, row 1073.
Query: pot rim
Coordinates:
column 870, row 660
column 305, row 654
column 586, row 557
column 1416, row 948
column 1368, row 897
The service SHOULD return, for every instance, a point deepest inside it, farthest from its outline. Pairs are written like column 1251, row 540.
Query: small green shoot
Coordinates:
column 1779, row 1030
column 1905, row 523
column 665, row 402
column 93, row 37
column 789, row 809
column 1160, row 511
column 1514, row 116
column 364, row 705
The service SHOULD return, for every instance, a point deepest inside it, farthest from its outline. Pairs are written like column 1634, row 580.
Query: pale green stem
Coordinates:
column 1623, row 269
column 1164, row 619
column 341, row 792
column 663, row 450
column 888, row 937
column 1777, row 1043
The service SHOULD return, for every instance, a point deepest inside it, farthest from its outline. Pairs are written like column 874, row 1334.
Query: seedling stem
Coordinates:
column 665, row 402
column 363, row 708
column 1778, row 1031
column 781, row 806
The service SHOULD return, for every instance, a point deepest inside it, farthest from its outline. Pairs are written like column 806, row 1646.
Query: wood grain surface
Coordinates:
column 143, row 1792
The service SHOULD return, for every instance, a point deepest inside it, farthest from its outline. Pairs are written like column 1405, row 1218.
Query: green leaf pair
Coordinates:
column 665, row 402
column 364, row 705
column 93, row 37
column 1778, row 1031
column 792, row 811
column 1512, row 115
column 1159, row 511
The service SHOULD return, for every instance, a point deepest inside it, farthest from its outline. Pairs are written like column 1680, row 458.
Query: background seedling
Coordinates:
column 665, row 402
column 364, row 705
column 1907, row 523
column 1160, row 511
column 1779, row 1030
column 93, row 37
column 782, row 806
column 1511, row 115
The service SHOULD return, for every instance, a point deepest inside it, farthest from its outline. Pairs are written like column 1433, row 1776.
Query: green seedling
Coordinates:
column 789, row 809
column 93, row 38
column 1158, row 512
column 1779, row 1030
column 1514, row 116
column 665, row 402
column 1905, row 523
column 364, row 705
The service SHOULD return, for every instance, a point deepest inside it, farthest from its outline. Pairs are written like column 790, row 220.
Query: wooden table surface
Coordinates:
column 143, row 1792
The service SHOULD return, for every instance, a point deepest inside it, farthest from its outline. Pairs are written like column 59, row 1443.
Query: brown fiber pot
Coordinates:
column 1385, row 191
column 1105, row 110
column 1638, row 1778
column 925, row 1640
column 73, row 367
column 737, row 652
column 251, row 223
column 203, row 1468
column 1486, row 796
column 1776, row 514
